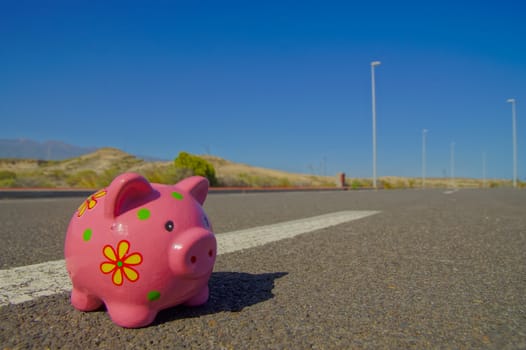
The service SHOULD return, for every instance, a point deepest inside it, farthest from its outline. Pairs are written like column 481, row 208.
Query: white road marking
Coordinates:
column 451, row 191
column 25, row 283
column 253, row 237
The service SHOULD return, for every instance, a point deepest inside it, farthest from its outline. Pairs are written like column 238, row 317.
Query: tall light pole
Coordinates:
column 374, row 64
column 452, row 160
column 483, row 169
column 424, row 132
column 514, row 123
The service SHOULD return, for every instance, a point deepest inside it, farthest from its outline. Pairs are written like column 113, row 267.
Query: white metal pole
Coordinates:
column 483, row 169
column 374, row 64
column 452, row 164
column 514, row 129
column 424, row 132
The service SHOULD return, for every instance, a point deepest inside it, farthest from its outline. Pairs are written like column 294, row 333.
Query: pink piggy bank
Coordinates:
column 140, row 247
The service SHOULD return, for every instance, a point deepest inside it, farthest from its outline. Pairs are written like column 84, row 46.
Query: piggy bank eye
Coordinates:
column 169, row 226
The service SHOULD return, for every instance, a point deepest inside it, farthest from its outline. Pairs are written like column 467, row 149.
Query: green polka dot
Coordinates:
column 177, row 195
column 153, row 295
column 119, row 263
column 143, row 214
column 87, row 234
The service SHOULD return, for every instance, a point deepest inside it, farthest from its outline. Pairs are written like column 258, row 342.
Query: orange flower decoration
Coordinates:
column 90, row 203
column 119, row 263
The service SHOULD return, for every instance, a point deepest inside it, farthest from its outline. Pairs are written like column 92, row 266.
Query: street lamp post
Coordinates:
column 514, row 127
column 374, row 64
column 452, row 160
column 424, row 132
column 483, row 169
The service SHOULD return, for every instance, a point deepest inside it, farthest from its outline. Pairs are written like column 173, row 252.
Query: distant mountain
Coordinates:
column 48, row 150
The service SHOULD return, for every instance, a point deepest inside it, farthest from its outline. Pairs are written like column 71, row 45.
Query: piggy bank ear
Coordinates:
column 197, row 186
column 127, row 191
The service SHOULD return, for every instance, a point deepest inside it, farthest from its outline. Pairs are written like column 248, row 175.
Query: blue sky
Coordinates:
column 278, row 84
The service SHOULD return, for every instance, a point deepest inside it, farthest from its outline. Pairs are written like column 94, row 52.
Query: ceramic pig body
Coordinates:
column 139, row 248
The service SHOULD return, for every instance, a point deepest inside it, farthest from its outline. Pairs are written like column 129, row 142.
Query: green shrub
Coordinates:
column 355, row 184
column 367, row 183
column 284, row 182
column 386, row 184
column 84, row 179
column 30, row 180
column 166, row 175
column 248, row 180
column 7, row 175
column 197, row 166
column 55, row 175
column 108, row 175
column 6, row 183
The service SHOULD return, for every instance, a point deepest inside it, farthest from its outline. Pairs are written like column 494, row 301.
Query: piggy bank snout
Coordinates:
column 193, row 254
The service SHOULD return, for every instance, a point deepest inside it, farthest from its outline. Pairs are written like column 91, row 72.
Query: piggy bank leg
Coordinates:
column 199, row 299
column 83, row 301
column 131, row 316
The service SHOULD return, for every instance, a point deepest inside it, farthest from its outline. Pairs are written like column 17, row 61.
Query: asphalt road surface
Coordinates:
column 430, row 270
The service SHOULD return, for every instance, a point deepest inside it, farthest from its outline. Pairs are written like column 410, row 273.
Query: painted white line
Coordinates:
column 253, row 237
column 25, row 283
column 451, row 191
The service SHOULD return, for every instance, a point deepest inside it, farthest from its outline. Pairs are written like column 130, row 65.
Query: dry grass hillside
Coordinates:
column 97, row 161
column 97, row 169
column 238, row 174
column 85, row 171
